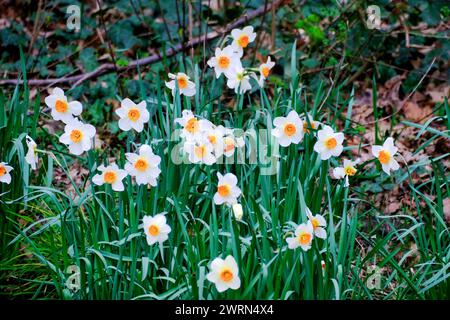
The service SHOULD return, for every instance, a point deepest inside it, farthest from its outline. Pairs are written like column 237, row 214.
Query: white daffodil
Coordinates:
column 200, row 150
column 227, row 189
column 346, row 171
column 61, row 109
column 31, row 157
column 132, row 115
column 5, row 176
column 224, row 61
column 192, row 126
column 224, row 274
column 110, row 175
column 302, row 237
column 314, row 125
column 238, row 80
column 230, row 143
column 288, row 129
column 329, row 143
column 264, row 71
column 78, row 136
column 318, row 223
column 185, row 86
column 144, row 166
column 385, row 154
column 215, row 136
column 156, row 228
column 242, row 38
column 237, row 211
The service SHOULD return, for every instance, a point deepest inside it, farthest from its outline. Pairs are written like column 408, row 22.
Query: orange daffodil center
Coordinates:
column 200, row 151
column 315, row 223
column 61, row 106
column 350, row 171
column 110, row 177
column 384, row 156
column 265, row 71
column 224, row 190
column 141, row 164
column 331, row 143
column 192, row 125
column 289, row 129
column 134, row 114
column 226, row 274
column 212, row 139
column 243, row 41
column 2, row 170
column 223, row 62
column 182, row 82
column 153, row 230
column 304, row 238
column 76, row 136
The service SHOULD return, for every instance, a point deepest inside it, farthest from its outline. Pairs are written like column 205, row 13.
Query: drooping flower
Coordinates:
column 385, row 154
column 329, row 143
column 143, row 166
column 264, row 71
column 156, row 228
column 78, row 136
column 237, row 211
column 242, row 38
column 110, row 175
column 200, row 150
column 5, row 176
column 239, row 80
column 318, row 223
column 227, row 189
column 224, row 61
column 31, row 157
column 192, row 126
column 61, row 109
column 185, row 86
column 302, row 237
column 132, row 115
column 346, row 171
column 288, row 129
column 224, row 274
column 314, row 125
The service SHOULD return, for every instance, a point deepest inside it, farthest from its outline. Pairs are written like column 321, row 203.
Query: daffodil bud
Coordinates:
column 237, row 210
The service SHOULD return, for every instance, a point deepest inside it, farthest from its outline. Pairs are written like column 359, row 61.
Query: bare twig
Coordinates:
column 109, row 67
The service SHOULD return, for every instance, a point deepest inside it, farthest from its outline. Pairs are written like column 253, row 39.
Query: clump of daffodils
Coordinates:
column 227, row 61
column 204, row 142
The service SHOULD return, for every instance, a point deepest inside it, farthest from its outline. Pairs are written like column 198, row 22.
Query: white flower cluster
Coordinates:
column 205, row 142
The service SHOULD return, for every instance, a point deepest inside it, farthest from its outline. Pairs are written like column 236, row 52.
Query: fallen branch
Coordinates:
column 110, row 67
